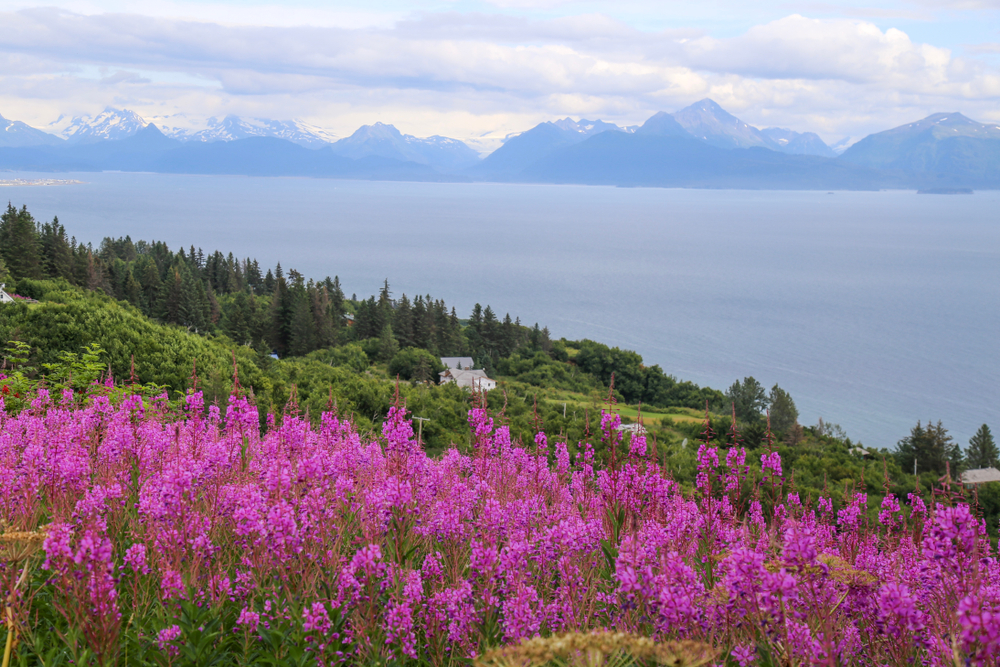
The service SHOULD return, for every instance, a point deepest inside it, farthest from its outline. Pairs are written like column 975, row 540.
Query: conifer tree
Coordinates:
column 784, row 414
column 402, row 322
column 982, row 452
column 931, row 447
column 19, row 244
column 280, row 316
column 57, row 255
column 322, row 320
column 149, row 278
column 132, row 290
column 237, row 320
column 749, row 399
column 172, row 296
column 302, row 329
column 388, row 346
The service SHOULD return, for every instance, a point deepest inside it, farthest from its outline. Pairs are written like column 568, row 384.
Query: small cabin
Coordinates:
column 635, row 428
column 4, row 297
column 980, row 476
column 467, row 378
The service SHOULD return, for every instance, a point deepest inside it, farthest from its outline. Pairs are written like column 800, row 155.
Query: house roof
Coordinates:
column 980, row 476
column 458, row 362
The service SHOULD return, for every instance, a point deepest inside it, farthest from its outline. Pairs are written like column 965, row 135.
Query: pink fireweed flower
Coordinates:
column 172, row 585
column 898, row 610
column 849, row 517
column 918, row 510
column 889, row 516
column 770, row 465
column 166, row 639
column 745, row 654
column 398, row 432
column 135, row 558
column 979, row 620
column 316, row 619
column 708, row 463
column 541, row 443
column 248, row 618
column 800, row 545
column 522, row 616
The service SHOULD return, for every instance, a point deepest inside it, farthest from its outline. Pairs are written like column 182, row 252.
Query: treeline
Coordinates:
column 284, row 313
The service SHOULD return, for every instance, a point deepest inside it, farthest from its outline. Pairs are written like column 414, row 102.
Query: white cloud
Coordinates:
column 467, row 75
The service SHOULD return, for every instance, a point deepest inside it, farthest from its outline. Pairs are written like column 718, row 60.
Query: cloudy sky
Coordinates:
column 472, row 68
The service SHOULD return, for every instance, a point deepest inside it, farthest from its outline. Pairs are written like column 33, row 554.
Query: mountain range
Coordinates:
column 699, row 146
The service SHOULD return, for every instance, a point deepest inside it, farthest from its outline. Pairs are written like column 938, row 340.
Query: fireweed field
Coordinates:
column 142, row 532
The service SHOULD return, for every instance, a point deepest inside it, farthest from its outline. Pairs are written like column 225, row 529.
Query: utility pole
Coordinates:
column 420, row 428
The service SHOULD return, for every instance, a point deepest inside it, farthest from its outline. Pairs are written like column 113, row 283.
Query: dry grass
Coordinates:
column 600, row 648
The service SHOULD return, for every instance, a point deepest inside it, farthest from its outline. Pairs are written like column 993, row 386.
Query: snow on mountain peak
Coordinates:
column 109, row 124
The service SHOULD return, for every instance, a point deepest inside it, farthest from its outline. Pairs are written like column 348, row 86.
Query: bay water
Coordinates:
column 872, row 309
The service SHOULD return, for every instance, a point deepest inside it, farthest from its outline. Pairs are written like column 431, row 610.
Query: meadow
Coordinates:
column 141, row 531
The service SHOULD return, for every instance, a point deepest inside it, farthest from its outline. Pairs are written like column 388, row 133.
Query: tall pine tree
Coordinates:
column 19, row 244
column 982, row 452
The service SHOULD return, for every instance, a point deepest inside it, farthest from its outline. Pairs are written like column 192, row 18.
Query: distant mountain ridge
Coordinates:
column 15, row 134
column 943, row 150
column 231, row 128
column 382, row 140
column 699, row 146
column 111, row 124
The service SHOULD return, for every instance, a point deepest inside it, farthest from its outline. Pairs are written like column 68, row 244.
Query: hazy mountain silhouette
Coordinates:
column 381, row 140
column 942, row 149
column 15, row 134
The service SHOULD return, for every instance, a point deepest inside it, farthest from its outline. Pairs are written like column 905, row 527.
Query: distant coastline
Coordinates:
column 17, row 182
column 945, row 191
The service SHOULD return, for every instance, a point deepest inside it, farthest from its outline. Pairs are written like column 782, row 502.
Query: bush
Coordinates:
column 413, row 363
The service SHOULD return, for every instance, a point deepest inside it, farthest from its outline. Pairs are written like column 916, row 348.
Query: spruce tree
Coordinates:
column 171, row 297
column 237, row 319
column 784, row 414
column 322, row 319
column 132, row 290
column 932, row 448
column 19, row 244
column 387, row 344
column 402, row 323
column 748, row 398
column 57, row 255
column 302, row 330
column 982, row 452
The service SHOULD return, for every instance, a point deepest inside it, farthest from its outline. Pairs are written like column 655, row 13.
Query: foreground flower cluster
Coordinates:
column 195, row 539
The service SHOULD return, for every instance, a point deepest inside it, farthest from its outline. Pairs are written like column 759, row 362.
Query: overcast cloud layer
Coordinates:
column 466, row 69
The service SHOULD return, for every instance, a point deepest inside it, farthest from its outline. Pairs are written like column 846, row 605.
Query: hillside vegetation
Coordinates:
column 188, row 320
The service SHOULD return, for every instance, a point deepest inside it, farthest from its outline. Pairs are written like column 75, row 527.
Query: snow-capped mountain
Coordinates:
column 709, row 122
column 589, row 128
column 234, row 127
column 15, row 134
column 109, row 124
column 386, row 141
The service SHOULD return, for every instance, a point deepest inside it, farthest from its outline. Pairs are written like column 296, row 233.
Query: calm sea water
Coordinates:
column 872, row 309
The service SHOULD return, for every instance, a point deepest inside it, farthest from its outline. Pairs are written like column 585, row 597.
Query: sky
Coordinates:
column 478, row 70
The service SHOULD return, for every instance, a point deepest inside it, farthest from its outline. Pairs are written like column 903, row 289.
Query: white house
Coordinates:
column 467, row 378
column 634, row 428
column 4, row 297
column 980, row 476
column 461, row 363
